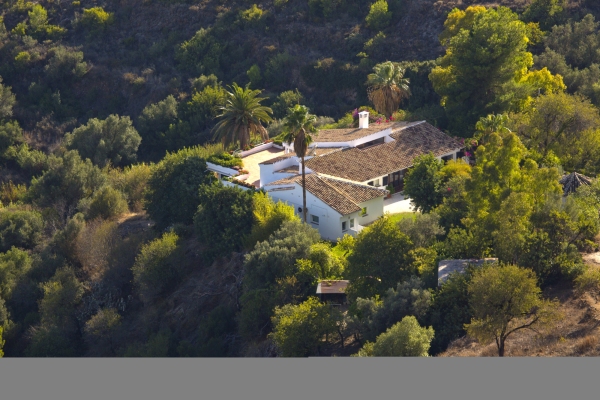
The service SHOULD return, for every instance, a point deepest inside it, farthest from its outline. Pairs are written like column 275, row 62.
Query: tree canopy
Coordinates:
column 505, row 299
column 486, row 68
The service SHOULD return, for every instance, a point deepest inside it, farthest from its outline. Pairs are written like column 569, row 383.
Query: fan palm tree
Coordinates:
column 298, row 126
column 241, row 116
column 387, row 87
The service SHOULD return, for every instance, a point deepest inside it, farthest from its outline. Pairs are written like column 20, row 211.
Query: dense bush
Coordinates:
column 95, row 19
column 113, row 140
column 157, row 267
column 223, row 219
column 13, row 265
column 132, row 181
column 405, row 339
column 379, row 17
column 225, row 160
column 298, row 330
column 173, row 195
column 65, row 183
column 379, row 260
column 268, row 217
column 20, row 228
column 107, row 203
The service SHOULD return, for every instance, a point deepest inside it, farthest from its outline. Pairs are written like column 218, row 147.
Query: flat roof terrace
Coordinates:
column 251, row 163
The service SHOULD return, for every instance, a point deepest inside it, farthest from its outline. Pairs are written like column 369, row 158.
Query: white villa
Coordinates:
column 347, row 171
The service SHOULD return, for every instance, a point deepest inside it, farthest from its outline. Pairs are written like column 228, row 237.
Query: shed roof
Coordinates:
column 446, row 267
column 332, row 287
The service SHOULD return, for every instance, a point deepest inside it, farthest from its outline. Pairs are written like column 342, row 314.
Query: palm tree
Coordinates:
column 241, row 116
column 297, row 128
column 492, row 123
column 387, row 87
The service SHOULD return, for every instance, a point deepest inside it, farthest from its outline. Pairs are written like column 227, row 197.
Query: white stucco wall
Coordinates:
column 330, row 221
column 267, row 174
column 351, row 143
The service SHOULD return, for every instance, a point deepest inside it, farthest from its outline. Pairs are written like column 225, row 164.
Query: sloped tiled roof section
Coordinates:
column 347, row 135
column 361, row 165
column 277, row 159
column 343, row 197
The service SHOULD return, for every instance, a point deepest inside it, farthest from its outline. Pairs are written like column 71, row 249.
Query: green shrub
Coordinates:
column 589, row 281
column 11, row 193
column 226, row 160
column 268, row 217
column 32, row 162
column 13, row 264
column 96, row 19
column 67, row 180
column 49, row 341
column 20, row 228
column 10, row 134
column 156, row 266
column 253, row 16
column 112, row 140
column 284, row 101
column 62, row 294
column 107, row 203
column 254, row 76
column 379, row 17
column 405, row 339
column 65, row 65
column 172, row 195
column 299, row 329
column 223, row 218
column 152, row 124
column 201, row 54
column 22, row 59
column 323, row 8
column 132, row 181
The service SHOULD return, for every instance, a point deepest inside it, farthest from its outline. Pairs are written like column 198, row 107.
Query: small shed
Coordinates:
column 332, row 291
column 446, row 267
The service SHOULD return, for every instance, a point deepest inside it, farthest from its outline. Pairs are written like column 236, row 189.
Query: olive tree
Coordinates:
column 506, row 299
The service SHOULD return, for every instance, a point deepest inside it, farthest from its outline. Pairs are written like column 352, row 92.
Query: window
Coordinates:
column 363, row 212
column 352, row 223
column 344, row 226
column 315, row 219
column 370, row 183
column 385, row 181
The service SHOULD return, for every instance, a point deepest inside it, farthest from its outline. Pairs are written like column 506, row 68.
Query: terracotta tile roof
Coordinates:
column 326, row 150
column 332, row 287
column 288, row 170
column 278, row 158
column 343, row 197
column 362, row 165
column 345, row 135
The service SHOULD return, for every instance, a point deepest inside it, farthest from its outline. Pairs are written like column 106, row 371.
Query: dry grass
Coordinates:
column 577, row 334
column 586, row 344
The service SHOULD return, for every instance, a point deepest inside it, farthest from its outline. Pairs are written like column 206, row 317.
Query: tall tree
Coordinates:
column 241, row 116
column 387, row 87
column 298, row 125
column 486, row 67
column 424, row 181
column 505, row 299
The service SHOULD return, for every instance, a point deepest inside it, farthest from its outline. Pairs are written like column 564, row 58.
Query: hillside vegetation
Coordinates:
column 115, row 240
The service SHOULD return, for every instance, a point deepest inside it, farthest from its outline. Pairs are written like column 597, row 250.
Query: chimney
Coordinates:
column 363, row 119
